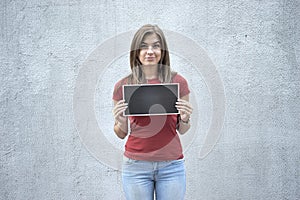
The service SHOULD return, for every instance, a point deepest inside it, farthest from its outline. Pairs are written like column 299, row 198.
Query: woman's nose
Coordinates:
column 150, row 50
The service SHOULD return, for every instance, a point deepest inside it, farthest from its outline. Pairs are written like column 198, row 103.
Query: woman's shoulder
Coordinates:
column 122, row 82
column 118, row 94
column 177, row 78
column 184, row 88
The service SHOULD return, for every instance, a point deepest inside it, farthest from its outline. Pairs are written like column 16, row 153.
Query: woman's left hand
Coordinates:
column 185, row 109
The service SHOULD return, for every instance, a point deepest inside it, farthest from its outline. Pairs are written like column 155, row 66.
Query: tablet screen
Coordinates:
column 151, row 99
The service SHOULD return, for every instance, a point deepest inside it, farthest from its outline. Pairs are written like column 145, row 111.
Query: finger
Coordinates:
column 119, row 114
column 120, row 105
column 184, row 103
column 184, row 108
column 119, row 110
column 181, row 112
column 121, row 101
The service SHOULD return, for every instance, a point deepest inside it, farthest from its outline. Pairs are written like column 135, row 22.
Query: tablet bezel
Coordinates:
column 149, row 85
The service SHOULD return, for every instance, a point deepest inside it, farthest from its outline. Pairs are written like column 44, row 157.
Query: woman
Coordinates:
column 153, row 160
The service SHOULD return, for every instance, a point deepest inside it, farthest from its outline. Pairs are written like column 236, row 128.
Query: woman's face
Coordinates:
column 150, row 50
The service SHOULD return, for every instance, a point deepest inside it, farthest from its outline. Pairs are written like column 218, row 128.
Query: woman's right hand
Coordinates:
column 118, row 110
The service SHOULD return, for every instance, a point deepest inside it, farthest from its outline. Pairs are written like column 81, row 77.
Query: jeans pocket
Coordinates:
column 128, row 161
column 178, row 162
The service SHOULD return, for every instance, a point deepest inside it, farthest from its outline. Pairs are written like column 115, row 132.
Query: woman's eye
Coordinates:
column 156, row 46
column 144, row 47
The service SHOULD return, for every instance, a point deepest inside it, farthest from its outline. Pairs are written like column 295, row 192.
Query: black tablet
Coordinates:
column 151, row 99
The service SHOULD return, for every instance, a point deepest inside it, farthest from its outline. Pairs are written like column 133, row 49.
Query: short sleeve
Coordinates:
column 118, row 90
column 183, row 85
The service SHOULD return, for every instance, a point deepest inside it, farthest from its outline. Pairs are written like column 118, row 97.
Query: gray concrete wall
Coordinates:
column 255, row 46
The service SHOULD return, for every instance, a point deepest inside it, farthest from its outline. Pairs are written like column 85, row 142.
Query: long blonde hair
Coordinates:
column 137, row 75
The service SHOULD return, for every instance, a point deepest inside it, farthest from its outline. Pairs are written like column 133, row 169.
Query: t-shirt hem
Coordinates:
column 135, row 156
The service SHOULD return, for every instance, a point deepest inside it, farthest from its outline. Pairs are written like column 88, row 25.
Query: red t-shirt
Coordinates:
column 153, row 138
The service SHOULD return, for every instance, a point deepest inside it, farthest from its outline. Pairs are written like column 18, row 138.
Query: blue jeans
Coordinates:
column 141, row 179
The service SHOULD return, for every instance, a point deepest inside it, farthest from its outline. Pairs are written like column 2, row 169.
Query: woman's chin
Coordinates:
column 150, row 64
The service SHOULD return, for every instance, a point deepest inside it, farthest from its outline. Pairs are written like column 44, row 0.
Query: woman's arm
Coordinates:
column 120, row 126
column 185, row 111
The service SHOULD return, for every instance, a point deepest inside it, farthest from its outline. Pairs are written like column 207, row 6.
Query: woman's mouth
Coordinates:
column 150, row 58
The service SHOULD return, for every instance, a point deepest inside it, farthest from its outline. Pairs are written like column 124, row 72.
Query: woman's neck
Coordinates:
column 151, row 72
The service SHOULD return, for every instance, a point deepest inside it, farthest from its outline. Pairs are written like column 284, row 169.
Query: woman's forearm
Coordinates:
column 183, row 127
column 121, row 130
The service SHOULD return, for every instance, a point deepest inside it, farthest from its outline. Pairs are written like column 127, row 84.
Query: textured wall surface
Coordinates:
column 255, row 46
